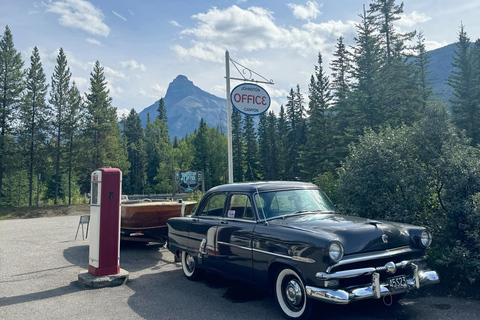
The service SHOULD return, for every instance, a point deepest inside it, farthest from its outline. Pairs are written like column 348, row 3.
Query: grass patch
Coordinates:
column 45, row 211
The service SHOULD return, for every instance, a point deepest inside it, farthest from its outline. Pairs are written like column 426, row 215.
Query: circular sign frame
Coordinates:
column 250, row 99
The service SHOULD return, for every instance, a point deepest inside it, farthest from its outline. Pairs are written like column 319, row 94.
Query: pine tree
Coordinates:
column 282, row 129
column 464, row 111
column 267, row 137
column 264, row 146
column 319, row 136
column 162, row 111
column 34, row 116
column 400, row 98
column 238, row 147
column 59, row 100
column 475, row 62
column 133, row 132
column 341, row 69
column 421, row 62
column 12, row 86
column 102, row 132
column 297, row 134
column 385, row 13
column 74, row 120
column 366, row 69
column 251, row 149
column 343, row 106
column 158, row 153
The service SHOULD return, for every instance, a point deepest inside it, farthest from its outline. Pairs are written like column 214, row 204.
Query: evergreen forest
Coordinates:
column 372, row 135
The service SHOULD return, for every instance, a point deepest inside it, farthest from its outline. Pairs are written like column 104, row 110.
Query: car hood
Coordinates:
column 356, row 234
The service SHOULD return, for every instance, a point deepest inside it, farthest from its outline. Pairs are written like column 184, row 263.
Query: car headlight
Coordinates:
column 335, row 251
column 426, row 239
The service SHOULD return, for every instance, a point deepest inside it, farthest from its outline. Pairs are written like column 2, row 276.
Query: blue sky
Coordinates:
column 145, row 44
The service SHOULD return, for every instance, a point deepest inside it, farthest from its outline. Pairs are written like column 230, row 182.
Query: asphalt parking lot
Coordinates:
column 40, row 262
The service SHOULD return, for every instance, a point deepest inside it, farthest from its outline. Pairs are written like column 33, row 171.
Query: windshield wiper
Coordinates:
column 323, row 211
column 296, row 213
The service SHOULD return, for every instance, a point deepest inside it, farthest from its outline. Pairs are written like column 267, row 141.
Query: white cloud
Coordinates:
column 120, row 16
column 133, row 65
column 80, row 14
column 154, row 92
column 114, row 73
column 115, row 91
column 432, row 45
column 251, row 29
column 122, row 113
column 274, row 106
column 308, row 11
column 202, row 51
column 412, row 19
column 251, row 63
column 175, row 23
column 276, row 93
column 159, row 90
column 220, row 90
column 81, row 83
column 94, row 41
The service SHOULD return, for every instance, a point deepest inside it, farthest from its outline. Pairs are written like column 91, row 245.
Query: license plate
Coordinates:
column 397, row 283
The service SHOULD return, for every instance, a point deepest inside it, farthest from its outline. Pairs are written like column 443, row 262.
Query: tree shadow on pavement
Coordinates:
column 52, row 293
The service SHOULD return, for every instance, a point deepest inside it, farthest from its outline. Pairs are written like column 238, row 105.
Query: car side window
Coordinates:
column 214, row 206
column 240, row 207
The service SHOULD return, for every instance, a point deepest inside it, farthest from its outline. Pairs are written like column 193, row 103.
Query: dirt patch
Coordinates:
column 45, row 211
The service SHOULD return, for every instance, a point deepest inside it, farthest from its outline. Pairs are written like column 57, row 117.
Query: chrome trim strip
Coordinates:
column 345, row 274
column 374, row 290
column 302, row 259
column 294, row 258
column 273, row 254
column 234, row 245
column 379, row 255
column 239, row 220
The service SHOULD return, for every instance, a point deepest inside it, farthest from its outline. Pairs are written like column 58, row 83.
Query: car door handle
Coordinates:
column 224, row 222
column 194, row 220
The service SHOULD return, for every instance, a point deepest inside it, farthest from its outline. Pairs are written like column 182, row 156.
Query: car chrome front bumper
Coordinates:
column 375, row 290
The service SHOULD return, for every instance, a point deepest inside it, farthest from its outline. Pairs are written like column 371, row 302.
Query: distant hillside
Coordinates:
column 440, row 67
column 186, row 104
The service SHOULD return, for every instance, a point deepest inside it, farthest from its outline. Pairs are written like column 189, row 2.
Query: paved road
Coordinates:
column 40, row 263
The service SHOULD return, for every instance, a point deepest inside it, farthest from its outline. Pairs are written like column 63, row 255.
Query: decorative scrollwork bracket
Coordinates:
column 248, row 74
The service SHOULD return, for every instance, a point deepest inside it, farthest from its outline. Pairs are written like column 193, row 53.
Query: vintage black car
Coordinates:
column 287, row 236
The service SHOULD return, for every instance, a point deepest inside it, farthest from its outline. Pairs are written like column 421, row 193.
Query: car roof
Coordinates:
column 262, row 186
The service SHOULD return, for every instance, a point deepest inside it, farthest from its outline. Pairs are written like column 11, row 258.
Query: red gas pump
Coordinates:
column 104, row 252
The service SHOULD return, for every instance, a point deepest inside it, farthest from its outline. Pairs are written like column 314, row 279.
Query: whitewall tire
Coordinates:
column 291, row 295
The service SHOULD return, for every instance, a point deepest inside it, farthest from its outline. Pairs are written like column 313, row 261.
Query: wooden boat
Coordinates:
column 147, row 221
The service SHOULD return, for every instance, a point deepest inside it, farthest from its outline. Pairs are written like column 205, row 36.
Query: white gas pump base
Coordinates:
column 88, row 281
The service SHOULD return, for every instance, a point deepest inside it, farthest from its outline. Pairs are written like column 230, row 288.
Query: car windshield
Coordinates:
column 291, row 202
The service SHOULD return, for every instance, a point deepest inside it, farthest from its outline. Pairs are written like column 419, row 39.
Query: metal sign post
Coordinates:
column 229, row 119
column 244, row 71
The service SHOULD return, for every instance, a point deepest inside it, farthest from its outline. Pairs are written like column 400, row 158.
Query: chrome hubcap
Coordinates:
column 293, row 292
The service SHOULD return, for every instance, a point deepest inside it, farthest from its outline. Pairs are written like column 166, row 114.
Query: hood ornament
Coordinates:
column 384, row 238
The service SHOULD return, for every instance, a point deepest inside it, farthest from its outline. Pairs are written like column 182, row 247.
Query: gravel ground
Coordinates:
column 40, row 262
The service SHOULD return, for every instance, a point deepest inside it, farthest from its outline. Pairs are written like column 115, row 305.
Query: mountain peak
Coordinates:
column 186, row 104
column 181, row 78
column 181, row 87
